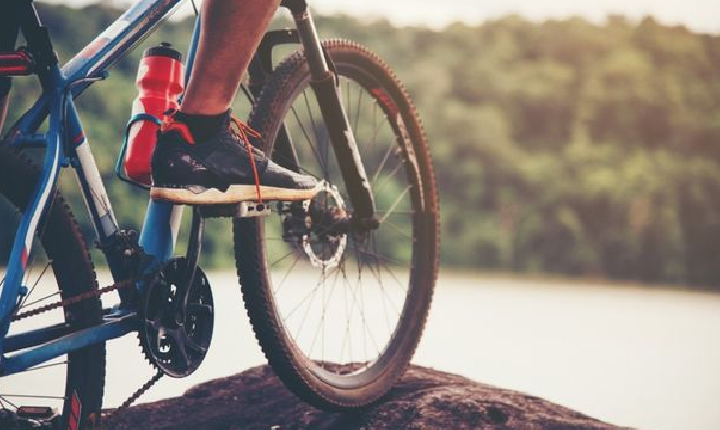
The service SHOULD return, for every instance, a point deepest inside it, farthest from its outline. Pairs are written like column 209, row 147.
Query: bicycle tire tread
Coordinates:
column 64, row 243
column 257, row 301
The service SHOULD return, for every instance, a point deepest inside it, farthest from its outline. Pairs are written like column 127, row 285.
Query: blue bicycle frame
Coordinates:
column 67, row 146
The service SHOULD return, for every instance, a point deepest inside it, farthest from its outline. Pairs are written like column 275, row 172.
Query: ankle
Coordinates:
column 204, row 126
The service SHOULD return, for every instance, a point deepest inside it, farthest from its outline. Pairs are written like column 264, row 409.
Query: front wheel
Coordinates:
column 339, row 307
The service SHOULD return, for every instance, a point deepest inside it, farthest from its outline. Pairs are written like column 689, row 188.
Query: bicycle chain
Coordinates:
column 130, row 400
column 73, row 300
column 90, row 295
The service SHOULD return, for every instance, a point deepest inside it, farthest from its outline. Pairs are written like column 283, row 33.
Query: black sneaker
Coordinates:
column 223, row 169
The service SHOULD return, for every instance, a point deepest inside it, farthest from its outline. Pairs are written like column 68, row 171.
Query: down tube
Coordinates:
column 162, row 220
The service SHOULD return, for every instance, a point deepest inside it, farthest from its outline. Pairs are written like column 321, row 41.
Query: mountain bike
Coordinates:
column 337, row 288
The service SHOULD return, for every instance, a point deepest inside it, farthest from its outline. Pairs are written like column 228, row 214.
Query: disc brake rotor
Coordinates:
column 326, row 243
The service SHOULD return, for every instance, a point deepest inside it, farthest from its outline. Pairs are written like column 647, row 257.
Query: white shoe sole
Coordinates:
column 234, row 194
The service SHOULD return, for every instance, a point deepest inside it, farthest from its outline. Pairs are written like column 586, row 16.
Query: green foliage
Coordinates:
column 560, row 147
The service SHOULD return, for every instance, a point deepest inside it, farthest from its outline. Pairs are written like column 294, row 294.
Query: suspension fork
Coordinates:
column 326, row 87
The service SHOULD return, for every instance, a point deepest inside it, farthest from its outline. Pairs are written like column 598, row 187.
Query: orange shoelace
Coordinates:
column 169, row 124
column 242, row 131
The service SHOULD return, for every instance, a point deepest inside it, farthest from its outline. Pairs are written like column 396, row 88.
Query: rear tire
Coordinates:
column 335, row 383
column 74, row 274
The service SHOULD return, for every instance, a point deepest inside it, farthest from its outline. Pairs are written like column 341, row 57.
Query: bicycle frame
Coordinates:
column 67, row 146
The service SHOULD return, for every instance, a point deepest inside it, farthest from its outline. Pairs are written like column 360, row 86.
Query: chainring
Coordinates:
column 176, row 348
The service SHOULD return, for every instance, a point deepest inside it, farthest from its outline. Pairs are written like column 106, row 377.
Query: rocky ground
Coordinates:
column 424, row 398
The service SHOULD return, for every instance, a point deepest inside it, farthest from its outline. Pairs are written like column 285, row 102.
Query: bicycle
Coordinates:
column 383, row 225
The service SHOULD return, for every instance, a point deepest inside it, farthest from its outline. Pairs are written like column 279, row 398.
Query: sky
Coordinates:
column 699, row 15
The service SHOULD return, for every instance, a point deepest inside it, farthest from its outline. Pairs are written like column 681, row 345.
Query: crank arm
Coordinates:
column 193, row 256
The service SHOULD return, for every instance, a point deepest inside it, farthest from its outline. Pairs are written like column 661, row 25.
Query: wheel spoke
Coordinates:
column 37, row 281
column 398, row 230
column 387, row 179
column 274, row 263
column 394, row 213
column 49, row 296
column 312, row 300
column 360, row 310
column 359, row 327
column 292, row 266
column 375, row 128
column 361, row 306
column 382, row 164
column 314, row 290
column 375, row 270
column 379, row 255
column 30, row 396
column 3, row 399
column 357, row 111
column 395, row 204
column 309, row 141
column 347, row 99
column 323, row 161
column 321, row 323
column 390, row 271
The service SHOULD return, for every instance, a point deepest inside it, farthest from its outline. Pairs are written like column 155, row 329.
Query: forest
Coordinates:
column 562, row 147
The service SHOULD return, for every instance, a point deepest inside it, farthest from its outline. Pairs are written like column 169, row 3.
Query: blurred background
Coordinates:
column 577, row 150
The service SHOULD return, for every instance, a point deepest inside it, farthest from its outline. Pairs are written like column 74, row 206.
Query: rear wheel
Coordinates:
column 339, row 307
column 59, row 267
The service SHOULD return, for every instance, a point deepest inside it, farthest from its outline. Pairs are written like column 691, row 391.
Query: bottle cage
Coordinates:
column 119, row 164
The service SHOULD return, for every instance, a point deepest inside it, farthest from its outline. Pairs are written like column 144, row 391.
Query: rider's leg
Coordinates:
column 231, row 32
column 198, row 159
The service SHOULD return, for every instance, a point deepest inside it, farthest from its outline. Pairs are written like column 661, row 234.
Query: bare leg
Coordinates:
column 231, row 31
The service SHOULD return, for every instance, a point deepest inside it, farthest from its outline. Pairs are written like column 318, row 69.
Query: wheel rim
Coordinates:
column 349, row 314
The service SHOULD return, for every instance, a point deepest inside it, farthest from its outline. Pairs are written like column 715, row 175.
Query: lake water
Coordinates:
column 632, row 356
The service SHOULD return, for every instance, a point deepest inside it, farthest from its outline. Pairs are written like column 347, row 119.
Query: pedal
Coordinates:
column 218, row 211
column 35, row 412
column 240, row 210
column 252, row 209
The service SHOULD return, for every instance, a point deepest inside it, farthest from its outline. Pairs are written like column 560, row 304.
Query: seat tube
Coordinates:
column 89, row 179
column 162, row 219
column 160, row 229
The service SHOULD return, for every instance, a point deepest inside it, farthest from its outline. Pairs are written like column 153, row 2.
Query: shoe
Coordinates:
column 223, row 169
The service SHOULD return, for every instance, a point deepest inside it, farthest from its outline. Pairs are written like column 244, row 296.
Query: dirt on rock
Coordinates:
column 423, row 399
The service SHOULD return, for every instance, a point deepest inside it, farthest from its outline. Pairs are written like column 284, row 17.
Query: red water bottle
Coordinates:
column 160, row 83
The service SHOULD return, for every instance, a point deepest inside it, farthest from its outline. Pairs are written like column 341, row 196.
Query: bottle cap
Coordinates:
column 163, row 50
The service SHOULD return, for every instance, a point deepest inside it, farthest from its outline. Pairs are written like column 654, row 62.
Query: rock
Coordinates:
column 424, row 398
